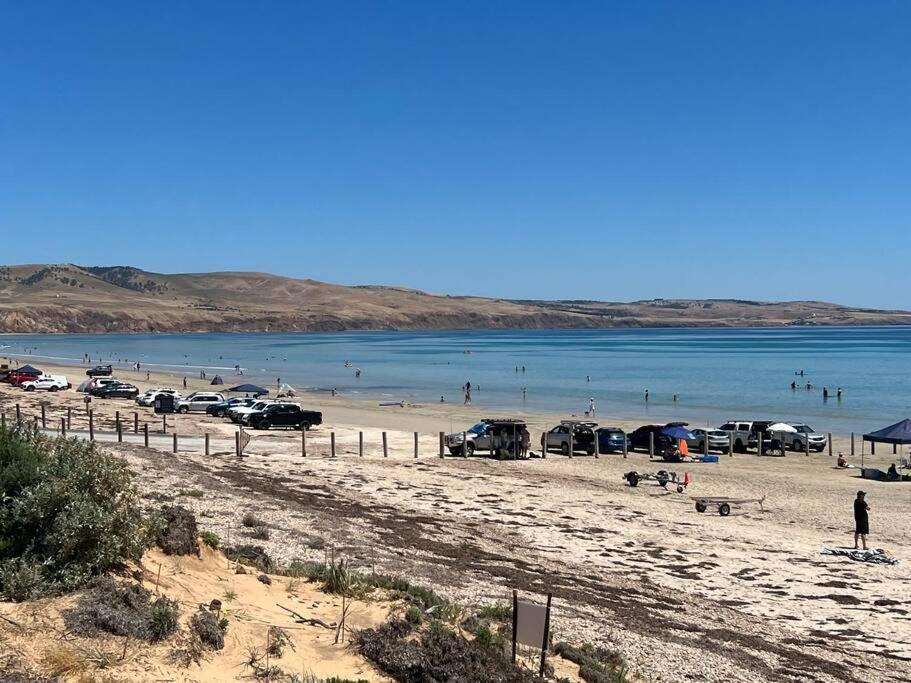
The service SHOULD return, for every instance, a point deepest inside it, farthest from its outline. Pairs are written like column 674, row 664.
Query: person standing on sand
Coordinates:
column 591, row 407
column 184, row 382
column 646, row 395
column 525, row 441
column 861, row 519
column 147, row 375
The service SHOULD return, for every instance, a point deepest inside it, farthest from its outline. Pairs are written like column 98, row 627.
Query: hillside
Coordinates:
column 70, row 298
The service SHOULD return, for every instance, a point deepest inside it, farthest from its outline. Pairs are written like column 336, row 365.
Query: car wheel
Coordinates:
column 264, row 424
column 738, row 446
column 590, row 450
column 305, row 426
column 219, row 413
column 52, row 389
column 29, row 388
column 469, row 449
column 455, row 451
column 564, row 448
column 796, row 445
column 183, row 410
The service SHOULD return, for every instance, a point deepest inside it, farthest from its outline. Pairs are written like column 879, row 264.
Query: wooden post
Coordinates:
column 303, row 443
column 119, row 432
column 237, row 443
column 135, row 422
column 332, row 440
column 807, row 446
column 760, row 443
column 385, row 446
column 464, row 444
column 18, row 415
column 415, row 444
column 515, row 621
column 731, row 444
column 546, row 637
column 175, row 442
column 625, row 445
column 91, row 425
column 830, row 444
column 145, row 435
column 69, row 416
column 571, row 444
column 705, row 444
column 63, row 427
column 43, row 417
column 544, row 444
column 3, row 419
column 442, row 437
column 164, row 424
column 852, row 443
column 651, row 445
column 117, row 421
column 894, row 449
column 207, row 443
column 360, row 444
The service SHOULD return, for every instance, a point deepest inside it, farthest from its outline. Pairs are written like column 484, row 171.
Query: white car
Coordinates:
column 47, row 383
column 237, row 413
column 198, row 401
column 148, row 398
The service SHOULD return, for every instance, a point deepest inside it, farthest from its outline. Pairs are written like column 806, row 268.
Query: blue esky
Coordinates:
column 606, row 150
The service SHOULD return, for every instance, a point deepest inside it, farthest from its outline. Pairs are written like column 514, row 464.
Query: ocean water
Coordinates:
column 717, row 374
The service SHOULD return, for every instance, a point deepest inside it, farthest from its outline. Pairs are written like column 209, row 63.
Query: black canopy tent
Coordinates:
column 30, row 369
column 249, row 389
column 897, row 434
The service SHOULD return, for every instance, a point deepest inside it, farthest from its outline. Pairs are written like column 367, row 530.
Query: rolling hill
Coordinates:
column 71, row 298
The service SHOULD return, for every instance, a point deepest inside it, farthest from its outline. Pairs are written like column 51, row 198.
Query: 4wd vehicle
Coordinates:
column 198, row 402
column 805, row 433
column 100, row 371
column 237, row 413
column 116, row 390
column 495, row 436
column 47, row 383
column 610, row 439
column 285, row 415
column 639, row 438
column 20, row 375
column 148, row 398
column 745, row 433
column 254, row 411
column 571, row 435
column 221, row 408
column 718, row 440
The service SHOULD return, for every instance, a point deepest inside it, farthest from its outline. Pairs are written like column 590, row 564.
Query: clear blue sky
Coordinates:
column 609, row 150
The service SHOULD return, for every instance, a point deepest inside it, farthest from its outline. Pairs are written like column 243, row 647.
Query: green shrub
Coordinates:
column 413, row 615
column 122, row 611
column 210, row 630
column 596, row 664
column 210, row 539
column 498, row 612
column 177, row 533
column 68, row 512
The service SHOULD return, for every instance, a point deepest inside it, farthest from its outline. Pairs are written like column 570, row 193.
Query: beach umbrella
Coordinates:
column 781, row 427
column 249, row 389
column 677, row 432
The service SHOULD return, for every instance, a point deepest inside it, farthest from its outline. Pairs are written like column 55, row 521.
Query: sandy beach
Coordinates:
column 684, row 595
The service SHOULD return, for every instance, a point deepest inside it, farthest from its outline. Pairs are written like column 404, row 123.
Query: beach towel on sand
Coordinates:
column 872, row 556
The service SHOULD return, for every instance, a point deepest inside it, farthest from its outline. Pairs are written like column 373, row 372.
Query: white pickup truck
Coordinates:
column 47, row 383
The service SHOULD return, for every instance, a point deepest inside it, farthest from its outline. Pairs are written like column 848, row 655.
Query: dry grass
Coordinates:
column 61, row 659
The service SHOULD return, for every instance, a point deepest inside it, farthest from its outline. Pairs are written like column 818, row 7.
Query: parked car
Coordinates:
column 610, row 439
column 488, row 435
column 47, row 383
column 116, row 390
column 718, row 440
column 221, row 409
column 639, row 438
column 198, row 402
column 100, row 371
column 247, row 414
column 236, row 413
column 805, row 433
column 147, row 398
column 745, row 434
column 284, row 415
column 571, row 436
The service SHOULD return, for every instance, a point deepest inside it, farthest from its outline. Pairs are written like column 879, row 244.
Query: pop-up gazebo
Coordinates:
column 249, row 389
column 897, row 434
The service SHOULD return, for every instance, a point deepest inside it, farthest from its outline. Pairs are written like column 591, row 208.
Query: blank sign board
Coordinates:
column 531, row 623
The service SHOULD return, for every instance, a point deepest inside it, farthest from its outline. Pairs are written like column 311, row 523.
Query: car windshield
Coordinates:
column 478, row 428
column 804, row 429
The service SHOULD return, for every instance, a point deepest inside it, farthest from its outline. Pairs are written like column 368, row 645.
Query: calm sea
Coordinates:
column 717, row 374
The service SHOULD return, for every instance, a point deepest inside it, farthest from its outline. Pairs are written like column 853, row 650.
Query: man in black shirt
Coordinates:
column 861, row 521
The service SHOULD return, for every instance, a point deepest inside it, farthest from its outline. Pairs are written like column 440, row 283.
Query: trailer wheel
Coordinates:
column 700, row 506
column 679, row 488
column 632, row 479
column 724, row 509
column 663, row 478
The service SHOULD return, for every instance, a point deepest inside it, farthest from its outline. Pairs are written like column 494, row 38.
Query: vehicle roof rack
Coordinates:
column 502, row 419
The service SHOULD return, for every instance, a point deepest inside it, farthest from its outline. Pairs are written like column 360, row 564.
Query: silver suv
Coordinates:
column 797, row 441
column 198, row 401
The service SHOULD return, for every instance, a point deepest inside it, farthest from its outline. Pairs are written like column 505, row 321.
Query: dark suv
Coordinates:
column 100, row 371
column 115, row 391
column 285, row 415
column 639, row 438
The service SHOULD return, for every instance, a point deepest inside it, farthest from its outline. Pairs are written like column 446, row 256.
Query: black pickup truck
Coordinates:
column 285, row 415
column 100, row 371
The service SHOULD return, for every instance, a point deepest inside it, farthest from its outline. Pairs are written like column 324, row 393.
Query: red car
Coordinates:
column 16, row 377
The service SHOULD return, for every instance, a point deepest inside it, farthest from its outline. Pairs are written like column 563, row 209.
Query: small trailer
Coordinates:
column 723, row 503
column 663, row 477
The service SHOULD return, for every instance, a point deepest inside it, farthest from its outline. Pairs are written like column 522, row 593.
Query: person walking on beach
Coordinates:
column 861, row 519
column 825, row 393
column 147, row 375
column 184, row 382
column 591, row 407
column 646, row 395
column 524, row 390
column 525, row 441
column 793, row 386
column 838, row 394
column 467, row 397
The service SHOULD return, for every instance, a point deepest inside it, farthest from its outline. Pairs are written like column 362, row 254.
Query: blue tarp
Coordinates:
column 899, row 433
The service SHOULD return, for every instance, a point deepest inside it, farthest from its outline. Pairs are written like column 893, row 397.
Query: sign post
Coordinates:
column 530, row 626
